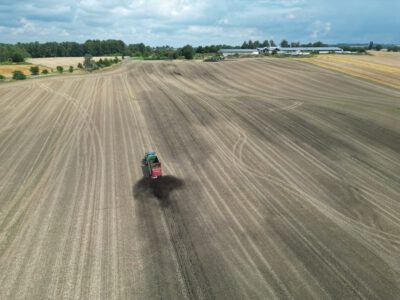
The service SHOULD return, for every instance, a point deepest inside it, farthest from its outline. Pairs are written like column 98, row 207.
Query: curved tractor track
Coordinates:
column 282, row 182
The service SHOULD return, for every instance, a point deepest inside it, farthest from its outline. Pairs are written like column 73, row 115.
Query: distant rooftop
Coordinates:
column 301, row 49
column 238, row 50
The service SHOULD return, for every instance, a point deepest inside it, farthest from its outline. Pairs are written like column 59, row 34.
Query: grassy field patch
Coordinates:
column 382, row 67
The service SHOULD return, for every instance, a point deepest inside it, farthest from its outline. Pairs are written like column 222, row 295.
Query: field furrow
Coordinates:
column 281, row 181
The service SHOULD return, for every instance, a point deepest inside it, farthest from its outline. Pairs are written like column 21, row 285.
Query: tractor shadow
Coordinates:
column 159, row 188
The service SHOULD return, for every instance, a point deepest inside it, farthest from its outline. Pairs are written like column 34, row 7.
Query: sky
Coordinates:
column 180, row 22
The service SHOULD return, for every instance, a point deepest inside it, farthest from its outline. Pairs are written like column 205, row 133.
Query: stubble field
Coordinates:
column 53, row 62
column 282, row 181
column 7, row 70
column 382, row 67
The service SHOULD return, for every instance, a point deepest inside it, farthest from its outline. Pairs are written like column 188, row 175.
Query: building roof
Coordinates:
column 239, row 50
column 301, row 49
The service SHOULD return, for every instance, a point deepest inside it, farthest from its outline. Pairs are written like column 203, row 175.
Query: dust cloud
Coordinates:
column 159, row 188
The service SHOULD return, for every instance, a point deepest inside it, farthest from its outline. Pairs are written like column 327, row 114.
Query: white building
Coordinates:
column 300, row 50
column 232, row 52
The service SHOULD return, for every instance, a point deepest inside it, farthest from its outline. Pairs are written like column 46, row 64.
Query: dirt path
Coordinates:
column 282, row 182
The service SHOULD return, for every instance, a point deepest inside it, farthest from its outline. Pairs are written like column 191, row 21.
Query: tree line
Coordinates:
column 13, row 53
column 18, row 52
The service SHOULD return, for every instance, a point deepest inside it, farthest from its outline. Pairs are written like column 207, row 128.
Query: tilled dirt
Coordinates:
column 282, row 181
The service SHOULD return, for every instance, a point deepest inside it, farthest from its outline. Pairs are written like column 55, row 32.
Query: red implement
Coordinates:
column 152, row 165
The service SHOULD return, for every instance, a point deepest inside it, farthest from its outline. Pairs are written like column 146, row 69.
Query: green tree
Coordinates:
column 265, row 43
column 371, row 45
column 18, row 75
column 107, row 62
column 45, row 72
column 188, row 52
column 34, row 70
column 60, row 69
column 71, row 69
column 17, row 57
column 284, row 44
column 245, row 45
column 319, row 44
column 378, row 47
column 2, row 77
column 12, row 53
column 295, row 44
column 272, row 43
column 88, row 62
column 80, row 66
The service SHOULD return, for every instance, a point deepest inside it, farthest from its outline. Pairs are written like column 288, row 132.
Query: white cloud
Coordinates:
column 205, row 29
column 178, row 22
column 290, row 16
column 25, row 27
column 320, row 29
column 121, row 11
column 168, row 8
column 223, row 21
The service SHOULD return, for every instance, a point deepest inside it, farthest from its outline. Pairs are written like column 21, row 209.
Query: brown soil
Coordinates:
column 282, row 181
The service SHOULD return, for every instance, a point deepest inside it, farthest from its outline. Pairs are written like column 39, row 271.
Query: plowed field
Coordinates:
column 282, row 181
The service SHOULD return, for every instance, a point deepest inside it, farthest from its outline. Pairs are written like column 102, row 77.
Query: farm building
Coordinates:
column 300, row 50
column 230, row 52
column 281, row 50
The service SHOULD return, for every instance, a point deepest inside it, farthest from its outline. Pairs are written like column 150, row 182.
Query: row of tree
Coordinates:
column 12, row 53
column 89, row 64
column 20, row 51
column 17, row 53
column 68, row 49
column 379, row 47
column 284, row 43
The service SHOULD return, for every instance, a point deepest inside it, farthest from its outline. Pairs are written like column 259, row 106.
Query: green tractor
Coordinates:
column 152, row 165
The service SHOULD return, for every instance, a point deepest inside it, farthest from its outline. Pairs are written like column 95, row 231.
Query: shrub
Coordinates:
column 107, row 62
column 393, row 48
column 88, row 62
column 60, row 69
column 2, row 77
column 80, row 66
column 34, row 70
column 188, row 52
column 71, row 69
column 18, row 75
column 45, row 71
column 17, row 57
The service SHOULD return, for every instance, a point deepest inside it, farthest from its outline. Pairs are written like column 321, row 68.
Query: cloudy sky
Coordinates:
column 179, row 22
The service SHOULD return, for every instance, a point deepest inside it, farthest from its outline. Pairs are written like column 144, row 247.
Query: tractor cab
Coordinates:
column 152, row 164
